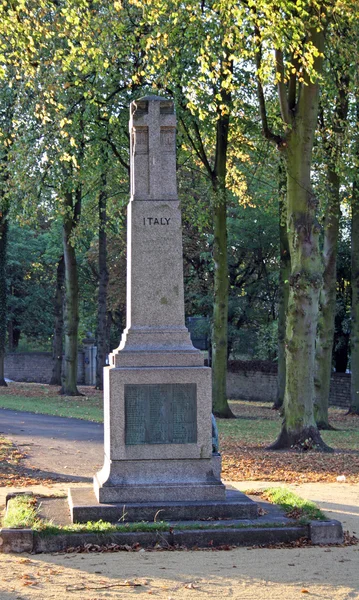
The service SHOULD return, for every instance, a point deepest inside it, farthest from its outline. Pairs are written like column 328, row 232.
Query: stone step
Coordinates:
column 84, row 507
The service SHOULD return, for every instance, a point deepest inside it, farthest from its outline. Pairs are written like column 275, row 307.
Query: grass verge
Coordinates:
column 79, row 407
column 294, row 506
column 22, row 511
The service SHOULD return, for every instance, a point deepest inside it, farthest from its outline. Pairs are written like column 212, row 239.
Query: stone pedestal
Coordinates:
column 158, row 443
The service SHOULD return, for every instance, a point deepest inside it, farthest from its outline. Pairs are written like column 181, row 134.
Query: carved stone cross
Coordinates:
column 153, row 149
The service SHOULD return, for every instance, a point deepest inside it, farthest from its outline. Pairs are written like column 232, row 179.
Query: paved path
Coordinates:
column 57, row 446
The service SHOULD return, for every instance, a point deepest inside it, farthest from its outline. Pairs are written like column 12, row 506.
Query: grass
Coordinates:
column 294, row 506
column 22, row 511
column 258, row 424
column 80, row 407
column 104, row 527
column 249, row 431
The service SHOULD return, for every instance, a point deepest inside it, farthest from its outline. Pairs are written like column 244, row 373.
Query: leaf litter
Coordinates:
column 249, row 459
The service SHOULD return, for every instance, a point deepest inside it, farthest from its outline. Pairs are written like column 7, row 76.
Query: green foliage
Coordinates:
column 267, row 341
column 69, row 72
column 31, row 265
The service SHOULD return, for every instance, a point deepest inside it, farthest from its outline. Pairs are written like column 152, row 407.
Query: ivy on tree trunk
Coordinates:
column 220, row 312
column 217, row 175
column 221, row 284
column 325, row 335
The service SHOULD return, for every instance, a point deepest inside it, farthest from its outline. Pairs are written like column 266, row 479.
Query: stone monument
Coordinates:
column 157, row 393
column 158, row 440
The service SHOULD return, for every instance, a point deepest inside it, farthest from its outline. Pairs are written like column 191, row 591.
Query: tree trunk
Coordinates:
column 327, row 301
column 327, row 298
column 3, row 293
column 220, row 304
column 102, row 288
column 354, row 339
column 284, row 273
column 71, row 312
column 299, row 428
column 57, row 346
column 220, row 312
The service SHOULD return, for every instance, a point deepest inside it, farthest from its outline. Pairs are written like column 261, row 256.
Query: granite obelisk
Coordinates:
column 158, row 444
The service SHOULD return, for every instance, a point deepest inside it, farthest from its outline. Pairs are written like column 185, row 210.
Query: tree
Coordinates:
column 103, row 282
column 327, row 301
column 298, row 97
column 57, row 344
column 76, row 79
column 188, row 52
column 354, row 344
column 30, row 280
column 8, row 97
column 283, row 292
column 3, row 289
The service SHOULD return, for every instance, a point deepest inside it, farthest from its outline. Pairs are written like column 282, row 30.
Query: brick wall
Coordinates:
column 252, row 385
column 35, row 367
column 340, row 390
column 255, row 380
column 246, row 383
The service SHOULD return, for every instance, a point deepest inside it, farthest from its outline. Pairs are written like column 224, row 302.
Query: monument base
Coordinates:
column 161, row 480
column 84, row 507
column 158, row 443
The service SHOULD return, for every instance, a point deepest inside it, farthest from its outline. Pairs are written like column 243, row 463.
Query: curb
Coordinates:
column 26, row 540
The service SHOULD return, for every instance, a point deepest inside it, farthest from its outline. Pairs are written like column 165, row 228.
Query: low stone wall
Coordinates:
column 246, row 380
column 36, row 367
column 258, row 382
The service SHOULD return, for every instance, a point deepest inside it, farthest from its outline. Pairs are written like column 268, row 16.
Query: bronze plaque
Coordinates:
column 161, row 414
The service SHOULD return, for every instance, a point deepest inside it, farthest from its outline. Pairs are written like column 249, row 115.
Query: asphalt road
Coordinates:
column 62, row 448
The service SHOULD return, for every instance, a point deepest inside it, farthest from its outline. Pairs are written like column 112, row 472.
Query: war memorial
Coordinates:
column 158, row 452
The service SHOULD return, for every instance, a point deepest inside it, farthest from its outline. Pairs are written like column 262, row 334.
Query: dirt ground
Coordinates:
column 329, row 573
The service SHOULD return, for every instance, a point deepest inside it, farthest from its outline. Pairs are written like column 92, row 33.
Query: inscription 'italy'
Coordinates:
column 156, row 221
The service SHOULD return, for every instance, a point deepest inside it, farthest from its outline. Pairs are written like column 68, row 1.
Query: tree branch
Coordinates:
column 282, row 90
column 292, row 87
column 116, row 153
column 199, row 149
column 201, row 156
column 268, row 134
